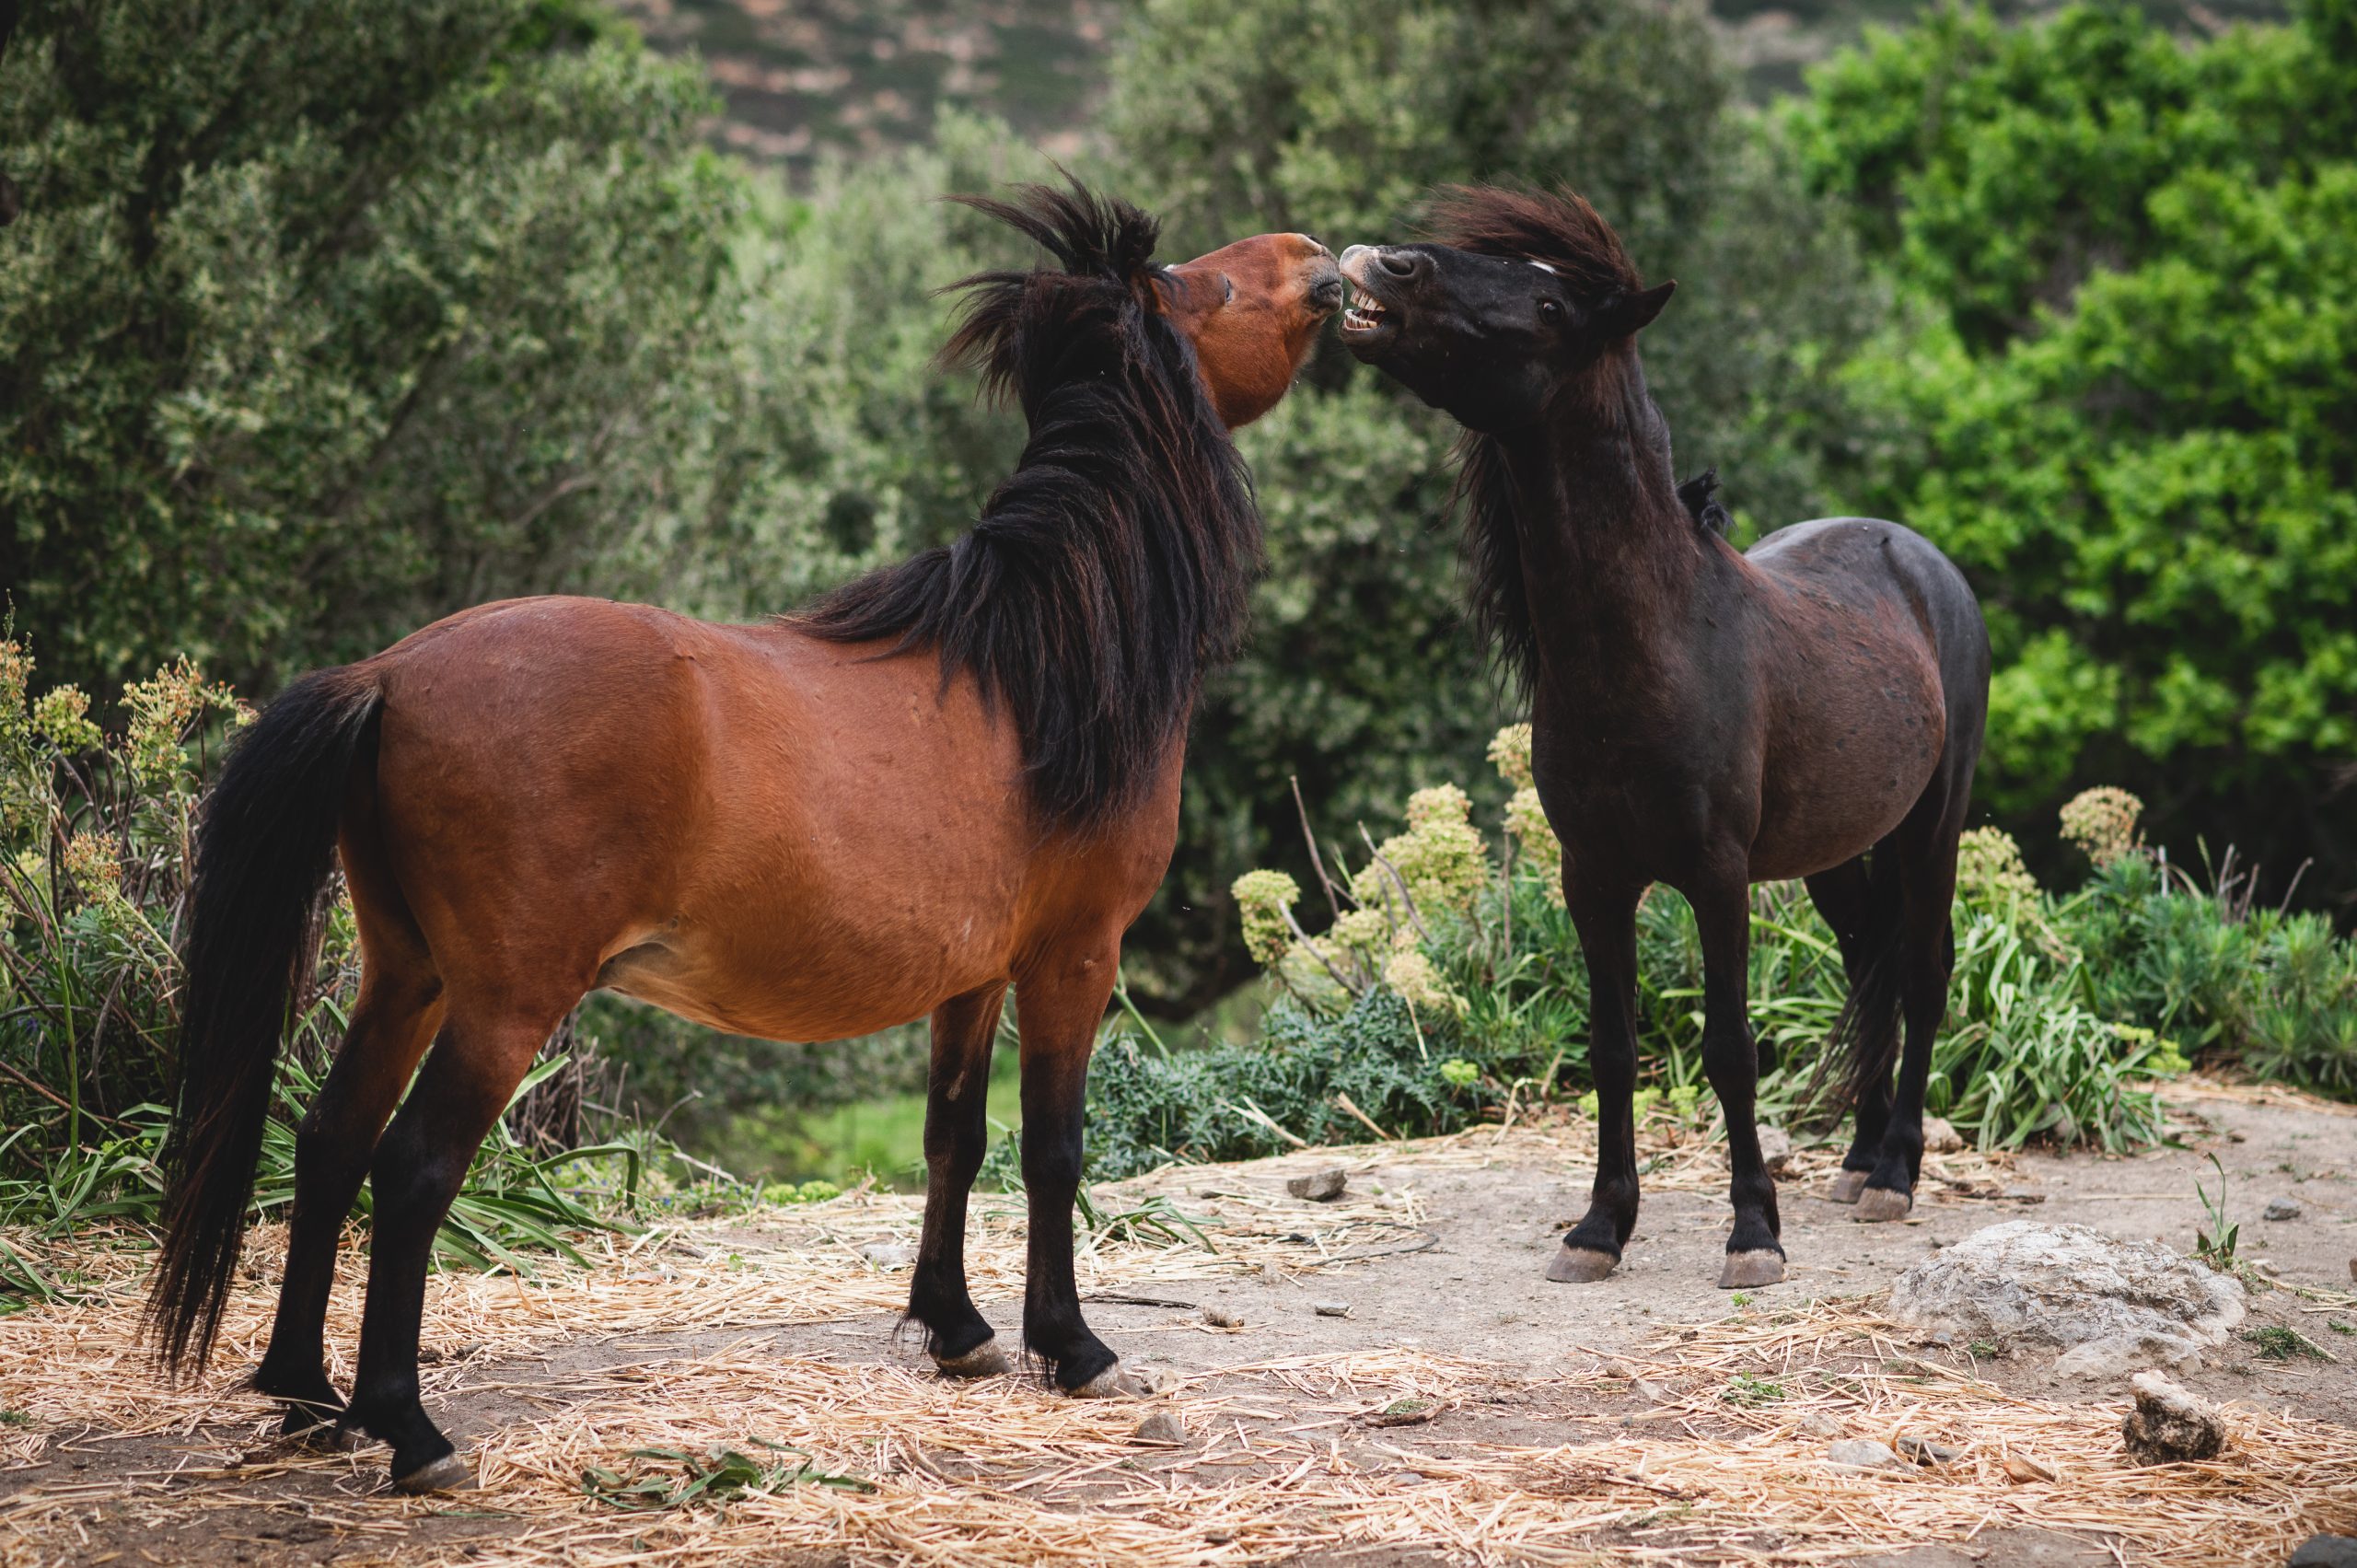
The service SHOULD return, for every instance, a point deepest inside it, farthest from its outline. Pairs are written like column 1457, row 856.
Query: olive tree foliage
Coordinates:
column 2123, row 392
column 1337, row 118
column 325, row 316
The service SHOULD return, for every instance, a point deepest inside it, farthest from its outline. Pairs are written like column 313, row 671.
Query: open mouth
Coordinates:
column 1367, row 320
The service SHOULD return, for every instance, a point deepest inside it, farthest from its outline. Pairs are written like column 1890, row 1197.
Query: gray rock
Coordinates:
column 1161, row 1427
column 1776, row 1149
column 1330, row 1308
column 2169, row 1425
column 1320, row 1185
column 2280, row 1209
column 2326, row 1551
column 889, row 1255
column 2067, row 1285
column 2109, row 1361
column 1862, row 1454
column 1923, row 1451
column 1220, row 1318
column 1940, row 1138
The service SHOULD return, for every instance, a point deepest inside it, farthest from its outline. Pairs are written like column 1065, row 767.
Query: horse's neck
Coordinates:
column 1610, row 553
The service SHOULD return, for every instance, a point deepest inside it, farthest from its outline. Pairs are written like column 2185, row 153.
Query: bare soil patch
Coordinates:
column 1463, row 1410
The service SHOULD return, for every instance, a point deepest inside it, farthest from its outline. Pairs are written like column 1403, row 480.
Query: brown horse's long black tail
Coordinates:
column 264, row 851
column 1862, row 1045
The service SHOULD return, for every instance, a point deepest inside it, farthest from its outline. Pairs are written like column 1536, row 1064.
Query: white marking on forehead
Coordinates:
column 1544, row 268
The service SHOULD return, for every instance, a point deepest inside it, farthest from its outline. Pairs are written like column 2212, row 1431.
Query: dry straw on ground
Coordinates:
column 1721, row 1456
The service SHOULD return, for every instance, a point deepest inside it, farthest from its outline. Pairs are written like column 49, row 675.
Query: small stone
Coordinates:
column 2280, row 1209
column 889, row 1255
column 1862, row 1454
column 1818, row 1425
column 2021, row 1469
column 1775, row 1149
column 1923, row 1451
column 1320, row 1185
column 2326, row 1551
column 1940, row 1138
column 1219, row 1318
column 2169, row 1426
column 1405, row 1412
column 2023, row 1195
column 1330, row 1308
column 1162, row 1428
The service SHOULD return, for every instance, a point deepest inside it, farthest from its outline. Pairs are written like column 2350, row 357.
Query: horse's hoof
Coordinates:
column 1847, row 1185
column 1114, row 1383
column 1580, row 1265
column 448, row 1473
column 985, row 1360
column 1877, row 1205
column 330, row 1437
column 1745, row 1270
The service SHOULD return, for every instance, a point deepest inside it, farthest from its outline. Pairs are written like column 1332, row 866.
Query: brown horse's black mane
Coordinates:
column 1112, row 568
column 1562, row 231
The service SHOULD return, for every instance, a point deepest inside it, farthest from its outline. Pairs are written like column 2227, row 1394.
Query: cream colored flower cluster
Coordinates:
column 1526, row 818
column 1988, row 867
column 2102, row 821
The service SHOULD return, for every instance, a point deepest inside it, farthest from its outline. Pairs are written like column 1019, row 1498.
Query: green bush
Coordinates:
column 326, row 318
column 2121, row 390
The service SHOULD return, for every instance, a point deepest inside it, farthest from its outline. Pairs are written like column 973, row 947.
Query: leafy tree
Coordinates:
column 2123, row 392
column 325, row 317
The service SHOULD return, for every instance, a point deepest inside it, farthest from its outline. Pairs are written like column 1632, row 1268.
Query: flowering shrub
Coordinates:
column 2102, row 821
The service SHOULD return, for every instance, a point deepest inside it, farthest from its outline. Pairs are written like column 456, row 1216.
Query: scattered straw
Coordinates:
column 1726, row 1461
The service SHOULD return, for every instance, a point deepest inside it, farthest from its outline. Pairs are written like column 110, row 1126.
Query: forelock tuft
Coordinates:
column 1557, row 227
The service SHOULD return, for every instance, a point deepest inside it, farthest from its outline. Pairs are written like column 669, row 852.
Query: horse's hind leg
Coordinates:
column 1926, row 844
column 485, row 1049
column 399, row 1008
column 960, row 1338
column 391, row 1022
column 1060, row 1006
column 1844, row 896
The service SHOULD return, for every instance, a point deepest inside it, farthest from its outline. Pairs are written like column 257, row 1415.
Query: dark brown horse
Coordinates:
column 958, row 773
column 1699, row 717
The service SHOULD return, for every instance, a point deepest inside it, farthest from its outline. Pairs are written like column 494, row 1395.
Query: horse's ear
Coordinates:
column 1624, row 314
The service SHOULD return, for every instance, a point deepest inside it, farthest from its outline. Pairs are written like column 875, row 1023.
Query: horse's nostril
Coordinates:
column 1396, row 264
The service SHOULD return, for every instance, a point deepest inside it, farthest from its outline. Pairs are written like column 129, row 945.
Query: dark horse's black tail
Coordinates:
column 1862, row 1045
column 264, row 851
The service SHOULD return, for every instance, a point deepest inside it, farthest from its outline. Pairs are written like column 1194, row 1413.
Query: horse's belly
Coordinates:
column 1859, row 770
column 791, row 983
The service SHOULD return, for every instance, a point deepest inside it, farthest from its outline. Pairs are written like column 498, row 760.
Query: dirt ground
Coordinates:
column 1391, row 1381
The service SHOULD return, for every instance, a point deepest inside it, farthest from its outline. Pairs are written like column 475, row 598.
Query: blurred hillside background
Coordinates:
column 324, row 319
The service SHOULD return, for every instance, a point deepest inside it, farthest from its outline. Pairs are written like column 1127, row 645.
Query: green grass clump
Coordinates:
column 2275, row 1343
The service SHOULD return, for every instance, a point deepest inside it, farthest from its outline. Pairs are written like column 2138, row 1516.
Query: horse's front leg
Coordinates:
column 1606, row 921
column 957, row 1136
column 1731, row 1061
column 1060, row 1006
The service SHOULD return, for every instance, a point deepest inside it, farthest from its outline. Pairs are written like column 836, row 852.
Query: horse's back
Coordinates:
column 1854, row 561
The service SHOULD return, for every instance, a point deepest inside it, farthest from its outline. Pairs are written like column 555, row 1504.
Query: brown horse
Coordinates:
column 955, row 776
column 1698, row 716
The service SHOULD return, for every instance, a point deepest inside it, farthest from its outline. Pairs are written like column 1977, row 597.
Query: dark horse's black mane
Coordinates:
column 1567, row 235
column 1112, row 569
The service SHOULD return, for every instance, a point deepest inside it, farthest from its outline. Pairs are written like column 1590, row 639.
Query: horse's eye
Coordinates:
column 1549, row 312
